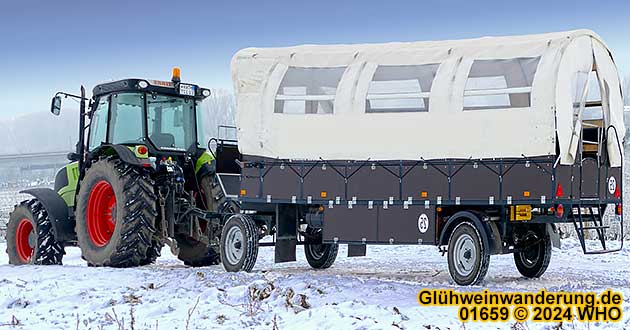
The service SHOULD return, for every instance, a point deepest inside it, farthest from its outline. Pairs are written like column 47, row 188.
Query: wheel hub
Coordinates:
column 465, row 255
column 101, row 213
column 234, row 246
column 25, row 240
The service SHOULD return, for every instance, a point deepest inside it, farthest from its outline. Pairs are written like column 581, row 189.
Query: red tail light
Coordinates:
column 559, row 211
column 559, row 192
column 617, row 192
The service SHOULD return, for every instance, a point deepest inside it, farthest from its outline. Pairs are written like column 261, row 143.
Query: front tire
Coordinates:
column 468, row 257
column 534, row 260
column 30, row 238
column 239, row 243
column 116, row 213
column 319, row 255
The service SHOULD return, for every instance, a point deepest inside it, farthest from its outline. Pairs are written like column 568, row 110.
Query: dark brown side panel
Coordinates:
column 353, row 224
column 474, row 181
column 531, row 179
column 321, row 177
column 425, row 178
column 373, row 182
column 413, row 225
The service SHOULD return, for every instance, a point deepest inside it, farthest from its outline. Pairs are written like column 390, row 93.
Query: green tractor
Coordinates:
column 139, row 179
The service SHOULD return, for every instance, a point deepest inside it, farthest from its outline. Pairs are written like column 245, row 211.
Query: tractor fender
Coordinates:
column 489, row 231
column 126, row 155
column 57, row 209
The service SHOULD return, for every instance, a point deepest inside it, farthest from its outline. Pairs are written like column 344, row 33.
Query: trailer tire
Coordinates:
column 30, row 238
column 239, row 243
column 319, row 255
column 533, row 261
column 116, row 214
column 468, row 257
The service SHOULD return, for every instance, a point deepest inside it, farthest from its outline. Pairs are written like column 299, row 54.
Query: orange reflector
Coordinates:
column 526, row 194
column 243, row 192
column 321, row 208
column 323, row 194
column 439, row 209
column 424, row 194
column 618, row 209
column 142, row 150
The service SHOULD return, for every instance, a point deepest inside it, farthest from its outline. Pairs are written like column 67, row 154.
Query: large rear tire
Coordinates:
column 30, row 238
column 468, row 257
column 116, row 213
column 239, row 243
column 534, row 260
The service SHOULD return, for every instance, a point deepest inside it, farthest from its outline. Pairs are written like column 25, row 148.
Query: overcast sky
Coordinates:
column 47, row 46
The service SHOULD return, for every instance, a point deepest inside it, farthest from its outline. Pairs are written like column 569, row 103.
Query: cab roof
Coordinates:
column 151, row 86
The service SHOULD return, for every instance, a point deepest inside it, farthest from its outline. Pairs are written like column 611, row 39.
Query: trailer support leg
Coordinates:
column 286, row 233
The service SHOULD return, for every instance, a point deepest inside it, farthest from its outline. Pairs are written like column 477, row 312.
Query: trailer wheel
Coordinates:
column 533, row 261
column 468, row 258
column 318, row 254
column 239, row 243
column 116, row 213
column 30, row 238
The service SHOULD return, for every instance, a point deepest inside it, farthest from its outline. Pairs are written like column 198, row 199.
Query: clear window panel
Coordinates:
column 127, row 120
column 171, row 122
column 500, row 83
column 308, row 90
column 98, row 124
column 401, row 88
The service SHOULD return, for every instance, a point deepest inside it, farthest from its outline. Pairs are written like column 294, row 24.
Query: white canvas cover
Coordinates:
column 482, row 98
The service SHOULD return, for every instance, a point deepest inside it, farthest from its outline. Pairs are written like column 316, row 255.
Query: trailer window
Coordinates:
column 308, row 90
column 500, row 84
column 401, row 88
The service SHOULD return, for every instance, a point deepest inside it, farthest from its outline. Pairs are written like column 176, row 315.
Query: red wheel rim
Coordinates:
column 23, row 247
column 101, row 213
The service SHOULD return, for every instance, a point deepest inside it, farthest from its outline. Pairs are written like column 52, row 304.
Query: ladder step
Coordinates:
column 595, row 227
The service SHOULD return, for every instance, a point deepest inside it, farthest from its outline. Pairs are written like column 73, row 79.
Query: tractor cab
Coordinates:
column 154, row 119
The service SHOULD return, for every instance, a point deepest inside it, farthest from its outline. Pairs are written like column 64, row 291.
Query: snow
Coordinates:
column 373, row 292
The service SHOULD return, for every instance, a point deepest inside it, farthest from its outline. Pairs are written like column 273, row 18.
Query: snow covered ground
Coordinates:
column 374, row 292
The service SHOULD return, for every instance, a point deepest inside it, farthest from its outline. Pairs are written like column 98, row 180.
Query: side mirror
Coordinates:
column 55, row 106
column 212, row 146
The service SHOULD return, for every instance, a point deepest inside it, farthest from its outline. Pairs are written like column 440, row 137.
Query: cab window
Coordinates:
column 98, row 130
column 126, row 124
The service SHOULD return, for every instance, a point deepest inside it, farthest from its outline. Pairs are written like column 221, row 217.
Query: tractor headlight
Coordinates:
column 205, row 92
column 143, row 84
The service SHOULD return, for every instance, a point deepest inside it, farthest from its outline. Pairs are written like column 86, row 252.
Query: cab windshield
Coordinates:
column 171, row 122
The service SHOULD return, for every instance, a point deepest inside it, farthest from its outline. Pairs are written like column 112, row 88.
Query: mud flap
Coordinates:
column 286, row 233
column 554, row 235
column 357, row 250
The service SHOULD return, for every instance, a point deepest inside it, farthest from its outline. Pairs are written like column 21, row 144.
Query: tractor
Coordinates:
column 139, row 179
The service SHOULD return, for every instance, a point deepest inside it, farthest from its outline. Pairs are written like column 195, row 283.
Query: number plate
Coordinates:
column 186, row 89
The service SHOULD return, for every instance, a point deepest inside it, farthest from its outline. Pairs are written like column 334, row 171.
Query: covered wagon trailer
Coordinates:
column 477, row 146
